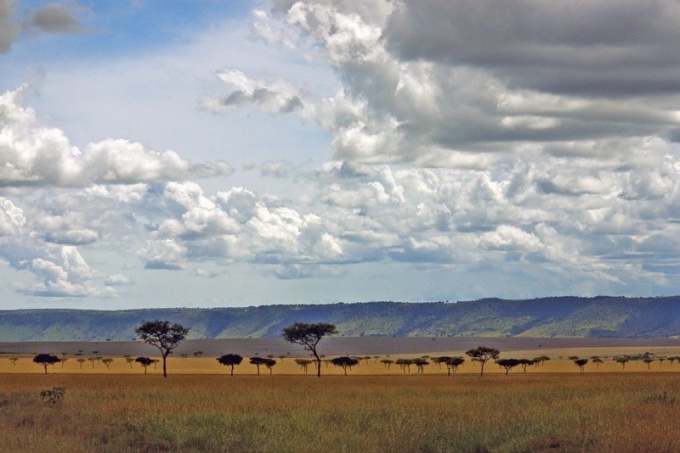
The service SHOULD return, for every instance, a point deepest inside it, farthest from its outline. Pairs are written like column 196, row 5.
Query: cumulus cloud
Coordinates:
column 64, row 273
column 465, row 138
column 276, row 97
column 460, row 84
column 37, row 155
column 276, row 168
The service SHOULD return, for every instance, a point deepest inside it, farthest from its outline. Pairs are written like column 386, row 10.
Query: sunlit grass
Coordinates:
column 569, row 412
column 199, row 407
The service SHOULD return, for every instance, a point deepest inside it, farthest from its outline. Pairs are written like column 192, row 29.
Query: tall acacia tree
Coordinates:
column 309, row 336
column 483, row 354
column 162, row 335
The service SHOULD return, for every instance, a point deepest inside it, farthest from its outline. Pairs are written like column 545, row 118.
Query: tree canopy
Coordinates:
column 345, row 362
column 46, row 360
column 162, row 335
column 309, row 336
column 483, row 354
column 230, row 360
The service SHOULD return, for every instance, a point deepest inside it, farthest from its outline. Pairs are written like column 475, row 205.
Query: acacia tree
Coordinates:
column 597, row 361
column 258, row 362
column 162, row 335
column 107, row 361
column 524, row 363
column 405, row 364
column 230, row 360
column 541, row 359
column 14, row 361
column 269, row 363
column 508, row 364
column 303, row 363
column 344, row 362
column 622, row 360
column 453, row 363
column 144, row 362
column 581, row 363
column 483, row 354
column 46, row 360
column 387, row 363
column 421, row 363
column 309, row 336
column 439, row 360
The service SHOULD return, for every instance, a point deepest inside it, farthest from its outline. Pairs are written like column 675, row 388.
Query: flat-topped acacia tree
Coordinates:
column 46, row 360
column 162, row 335
column 483, row 354
column 309, row 335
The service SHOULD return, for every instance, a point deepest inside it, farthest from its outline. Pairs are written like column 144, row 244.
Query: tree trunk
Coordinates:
column 318, row 363
column 45, row 365
column 165, row 371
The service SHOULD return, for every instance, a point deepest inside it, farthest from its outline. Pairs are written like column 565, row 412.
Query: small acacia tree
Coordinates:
column 162, row 335
column 540, row 360
column 453, row 363
column 258, row 362
column 508, row 364
column 439, row 360
column 483, row 354
column 404, row 364
column 581, row 363
column 46, row 360
column 230, row 360
column 622, row 360
column 270, row 363
column 303, row 363
column 387, row 363
column 144, row 362
column 309, row 336
column 345, row 362
column 421, row 363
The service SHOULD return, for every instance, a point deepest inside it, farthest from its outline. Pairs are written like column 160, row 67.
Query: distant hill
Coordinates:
column 600, row 317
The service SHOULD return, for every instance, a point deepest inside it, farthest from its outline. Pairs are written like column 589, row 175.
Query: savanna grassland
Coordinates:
column 199, row 407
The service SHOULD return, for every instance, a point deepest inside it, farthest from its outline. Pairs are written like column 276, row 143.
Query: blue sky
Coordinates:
column 228, row 153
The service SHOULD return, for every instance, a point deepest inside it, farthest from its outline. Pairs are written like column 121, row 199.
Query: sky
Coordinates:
column 217, row 153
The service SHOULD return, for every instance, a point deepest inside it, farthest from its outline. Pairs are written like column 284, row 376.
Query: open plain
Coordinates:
column 199, row 407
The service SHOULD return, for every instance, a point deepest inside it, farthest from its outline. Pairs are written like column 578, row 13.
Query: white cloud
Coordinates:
column 36, row 155
column 460, row 149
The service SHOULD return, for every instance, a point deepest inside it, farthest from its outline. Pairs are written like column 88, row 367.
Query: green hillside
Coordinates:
column 546, row 317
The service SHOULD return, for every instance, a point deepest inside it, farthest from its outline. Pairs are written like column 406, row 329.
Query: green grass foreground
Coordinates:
column 622, row 412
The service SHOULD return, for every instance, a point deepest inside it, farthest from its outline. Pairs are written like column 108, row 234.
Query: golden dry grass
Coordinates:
column 558, row 412
column 200, row 408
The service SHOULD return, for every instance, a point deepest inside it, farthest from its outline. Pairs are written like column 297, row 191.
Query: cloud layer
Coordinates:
column 524, row 140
